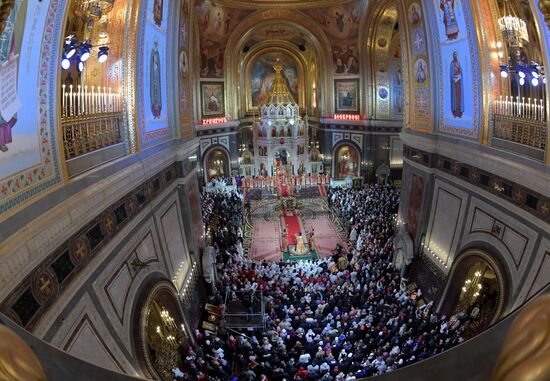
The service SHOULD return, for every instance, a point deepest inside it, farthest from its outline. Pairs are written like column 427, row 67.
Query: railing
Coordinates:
column 520, row 121
column 90, row 119
column 82, row 134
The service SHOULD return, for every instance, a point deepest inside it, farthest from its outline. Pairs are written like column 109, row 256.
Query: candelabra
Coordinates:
column 90, row 118
column 520, row 120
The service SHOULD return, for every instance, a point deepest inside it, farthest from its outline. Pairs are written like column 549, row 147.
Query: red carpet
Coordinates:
column 322, row 191
column 292, row 226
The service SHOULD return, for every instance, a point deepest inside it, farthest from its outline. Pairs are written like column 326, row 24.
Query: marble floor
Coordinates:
column 265, row 222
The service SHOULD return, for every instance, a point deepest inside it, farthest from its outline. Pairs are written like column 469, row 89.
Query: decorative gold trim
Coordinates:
column 286, row 4
column 525, row 355
column 485, row 72
column 380, row 108
column 17, row 360
column 130, row 79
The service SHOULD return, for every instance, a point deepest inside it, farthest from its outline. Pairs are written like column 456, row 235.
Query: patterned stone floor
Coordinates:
column 264, row 225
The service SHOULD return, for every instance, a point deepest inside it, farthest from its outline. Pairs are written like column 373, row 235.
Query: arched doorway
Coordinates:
column 476, row 288
column 216, row 164
column 346, row 161
column 162, row 333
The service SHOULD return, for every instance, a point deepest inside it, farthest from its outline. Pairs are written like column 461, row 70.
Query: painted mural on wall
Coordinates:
column 262, row 75
column 17, row 140
column 347, row 162
column 155, row 65
column 215, row 24
column 382, row 58
column 212, row 99
column 347, row 95
column 184, row 88
column 458, row 85
column 418, row 116
column 397, row 84
column 341, row 24
column 28, row 161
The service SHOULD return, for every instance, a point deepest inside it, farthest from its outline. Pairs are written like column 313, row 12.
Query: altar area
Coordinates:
column 272, row 228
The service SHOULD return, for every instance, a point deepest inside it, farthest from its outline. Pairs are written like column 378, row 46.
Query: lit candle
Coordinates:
column 82, row 100
column 105, row 99
column 71, row 99
column 529, row 111
column 92, row 100
column 86, row 100
column 110, row 100
column 521, row 106
column 506, row 106
column 98, row 99
column 79, row 100
column 64, row 100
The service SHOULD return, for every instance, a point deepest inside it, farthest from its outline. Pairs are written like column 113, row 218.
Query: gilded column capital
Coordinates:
column 544, row 6
column 525, row 355
column 17, row 360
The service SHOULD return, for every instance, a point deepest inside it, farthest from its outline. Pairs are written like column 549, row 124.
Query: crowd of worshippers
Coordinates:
column 223, row 218
column 326, row 319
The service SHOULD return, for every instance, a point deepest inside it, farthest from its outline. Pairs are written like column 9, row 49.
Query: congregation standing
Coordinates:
column 337, row 318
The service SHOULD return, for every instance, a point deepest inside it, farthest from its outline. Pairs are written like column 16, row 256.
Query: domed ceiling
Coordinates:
column 296, row 4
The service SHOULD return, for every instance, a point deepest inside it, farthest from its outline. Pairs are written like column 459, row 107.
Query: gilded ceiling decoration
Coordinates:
column 295, row 4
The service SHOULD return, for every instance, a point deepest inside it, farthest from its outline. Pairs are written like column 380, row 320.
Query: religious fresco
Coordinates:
column 18, row 141
column 459, row 83
column 28, row 157
column 418, row 71
column 347, row 95
column 347, row 162
column 276, row 32
column 155, row 66
column 212, row 99
column 414, row 14
column 216, row 164
column 341, row 24
column 384, row 32
column 447, row 8
column 184, row 88
column 262, row 75
column 397, row 84
column 215, row 24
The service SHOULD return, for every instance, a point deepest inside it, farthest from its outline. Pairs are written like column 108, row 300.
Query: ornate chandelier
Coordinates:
column 93, row 10
column 513, row 29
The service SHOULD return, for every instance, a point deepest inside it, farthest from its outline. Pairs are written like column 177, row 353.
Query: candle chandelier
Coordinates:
column 513, row 29
column 93, row 10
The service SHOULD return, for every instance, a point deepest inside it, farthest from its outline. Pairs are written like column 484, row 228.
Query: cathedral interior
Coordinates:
column 274, row 190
